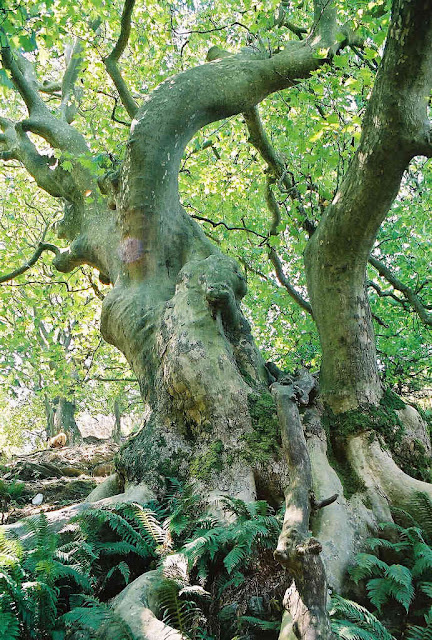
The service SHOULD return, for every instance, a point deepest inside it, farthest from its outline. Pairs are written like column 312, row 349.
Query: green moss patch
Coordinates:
column 204, row 465
column 263, row 442
column 382, row 420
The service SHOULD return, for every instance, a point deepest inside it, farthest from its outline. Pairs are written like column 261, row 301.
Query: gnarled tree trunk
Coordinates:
column 174, row 307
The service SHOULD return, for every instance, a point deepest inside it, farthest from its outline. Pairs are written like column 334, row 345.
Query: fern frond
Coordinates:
column 422, row 559
column 9, row 626
column 346, row 630
column 235, row 557
column 379, row 591
column 423, row 505
column 122, row 568
column 177, row 613
column 426, row 587
column 152, row 527
column 382, row 543
column 360, row 616
column 95, row 618
column 367, row 565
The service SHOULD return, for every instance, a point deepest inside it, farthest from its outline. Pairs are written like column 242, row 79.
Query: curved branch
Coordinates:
column 23, row 78
column 111, row 61
column 409, row 294
column 259, row 139
column 295, row 295
column 42, row 246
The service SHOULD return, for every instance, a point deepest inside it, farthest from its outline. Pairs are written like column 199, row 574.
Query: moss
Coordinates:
column 382, row 420
column 391, row 400
column 204, row 465
column 263, row 442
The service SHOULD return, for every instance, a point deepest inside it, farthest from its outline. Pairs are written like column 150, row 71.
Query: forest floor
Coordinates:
column 55, row 478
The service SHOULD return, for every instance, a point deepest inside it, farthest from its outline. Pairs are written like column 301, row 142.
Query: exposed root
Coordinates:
column 137, row 605
column 386, row 484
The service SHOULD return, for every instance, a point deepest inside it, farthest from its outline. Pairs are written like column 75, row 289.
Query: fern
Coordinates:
column 9, row 626
column 423, row 505
column 416, row 632
column 367, row 565
column 350, row 620
column 95, row 618
column 405, row 581
column 180, row 614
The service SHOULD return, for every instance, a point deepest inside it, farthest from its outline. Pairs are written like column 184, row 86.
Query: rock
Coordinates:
column 72, row 472
column 103, row 469
column 109, row 487
column 38, row 499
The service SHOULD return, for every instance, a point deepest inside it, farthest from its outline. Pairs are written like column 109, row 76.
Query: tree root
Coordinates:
column 137, row 605
column 386, row 484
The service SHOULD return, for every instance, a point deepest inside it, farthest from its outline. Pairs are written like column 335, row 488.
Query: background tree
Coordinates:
column 174, row 305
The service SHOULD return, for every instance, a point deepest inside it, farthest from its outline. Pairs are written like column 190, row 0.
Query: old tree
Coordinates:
column 172, row 302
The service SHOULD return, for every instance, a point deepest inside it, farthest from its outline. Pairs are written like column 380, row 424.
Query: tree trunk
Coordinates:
column 60, row 414
column 174, row 308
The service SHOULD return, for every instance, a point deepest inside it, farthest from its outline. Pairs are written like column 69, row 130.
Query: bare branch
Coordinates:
column 259, row 139
column 42, row 246
column 112, row 60
column 295, row 295
column 409, row 294
column 273, row 208
column 296, row 550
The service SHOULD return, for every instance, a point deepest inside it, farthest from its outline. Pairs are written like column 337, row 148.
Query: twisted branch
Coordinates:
column 111, row 61
column 42, row 246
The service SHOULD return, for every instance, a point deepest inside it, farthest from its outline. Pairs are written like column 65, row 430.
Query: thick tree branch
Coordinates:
column 67, row 110
column 409, row 294
column 112, row 60
column 42, row 246
column 41, row 121
column 394, row 130
column 24, row 80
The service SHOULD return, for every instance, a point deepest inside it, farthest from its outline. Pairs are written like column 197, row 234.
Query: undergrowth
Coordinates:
column 396, row 580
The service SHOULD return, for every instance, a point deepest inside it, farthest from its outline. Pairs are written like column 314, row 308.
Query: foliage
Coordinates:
column 90, row 618
column 351, row 621
column 36, row 581
column 220, row 555
column 396, row 577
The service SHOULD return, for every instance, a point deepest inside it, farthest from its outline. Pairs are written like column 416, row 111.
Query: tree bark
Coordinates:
column 395, row 129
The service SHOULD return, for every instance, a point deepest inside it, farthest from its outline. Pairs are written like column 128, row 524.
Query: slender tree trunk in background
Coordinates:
column 49, row 416
column 60, row 414
column 117, row 424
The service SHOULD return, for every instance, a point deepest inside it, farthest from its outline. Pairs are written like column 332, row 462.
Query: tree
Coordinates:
column 174, row 305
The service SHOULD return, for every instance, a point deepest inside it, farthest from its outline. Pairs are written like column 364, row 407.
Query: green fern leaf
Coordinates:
column 426, row 587
column 235, row 557
column 423, row 506
column 346, row 630
column 379, row 591
column 9, row 626
column 367, row 565
column 359, row 616
column 422, row 559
